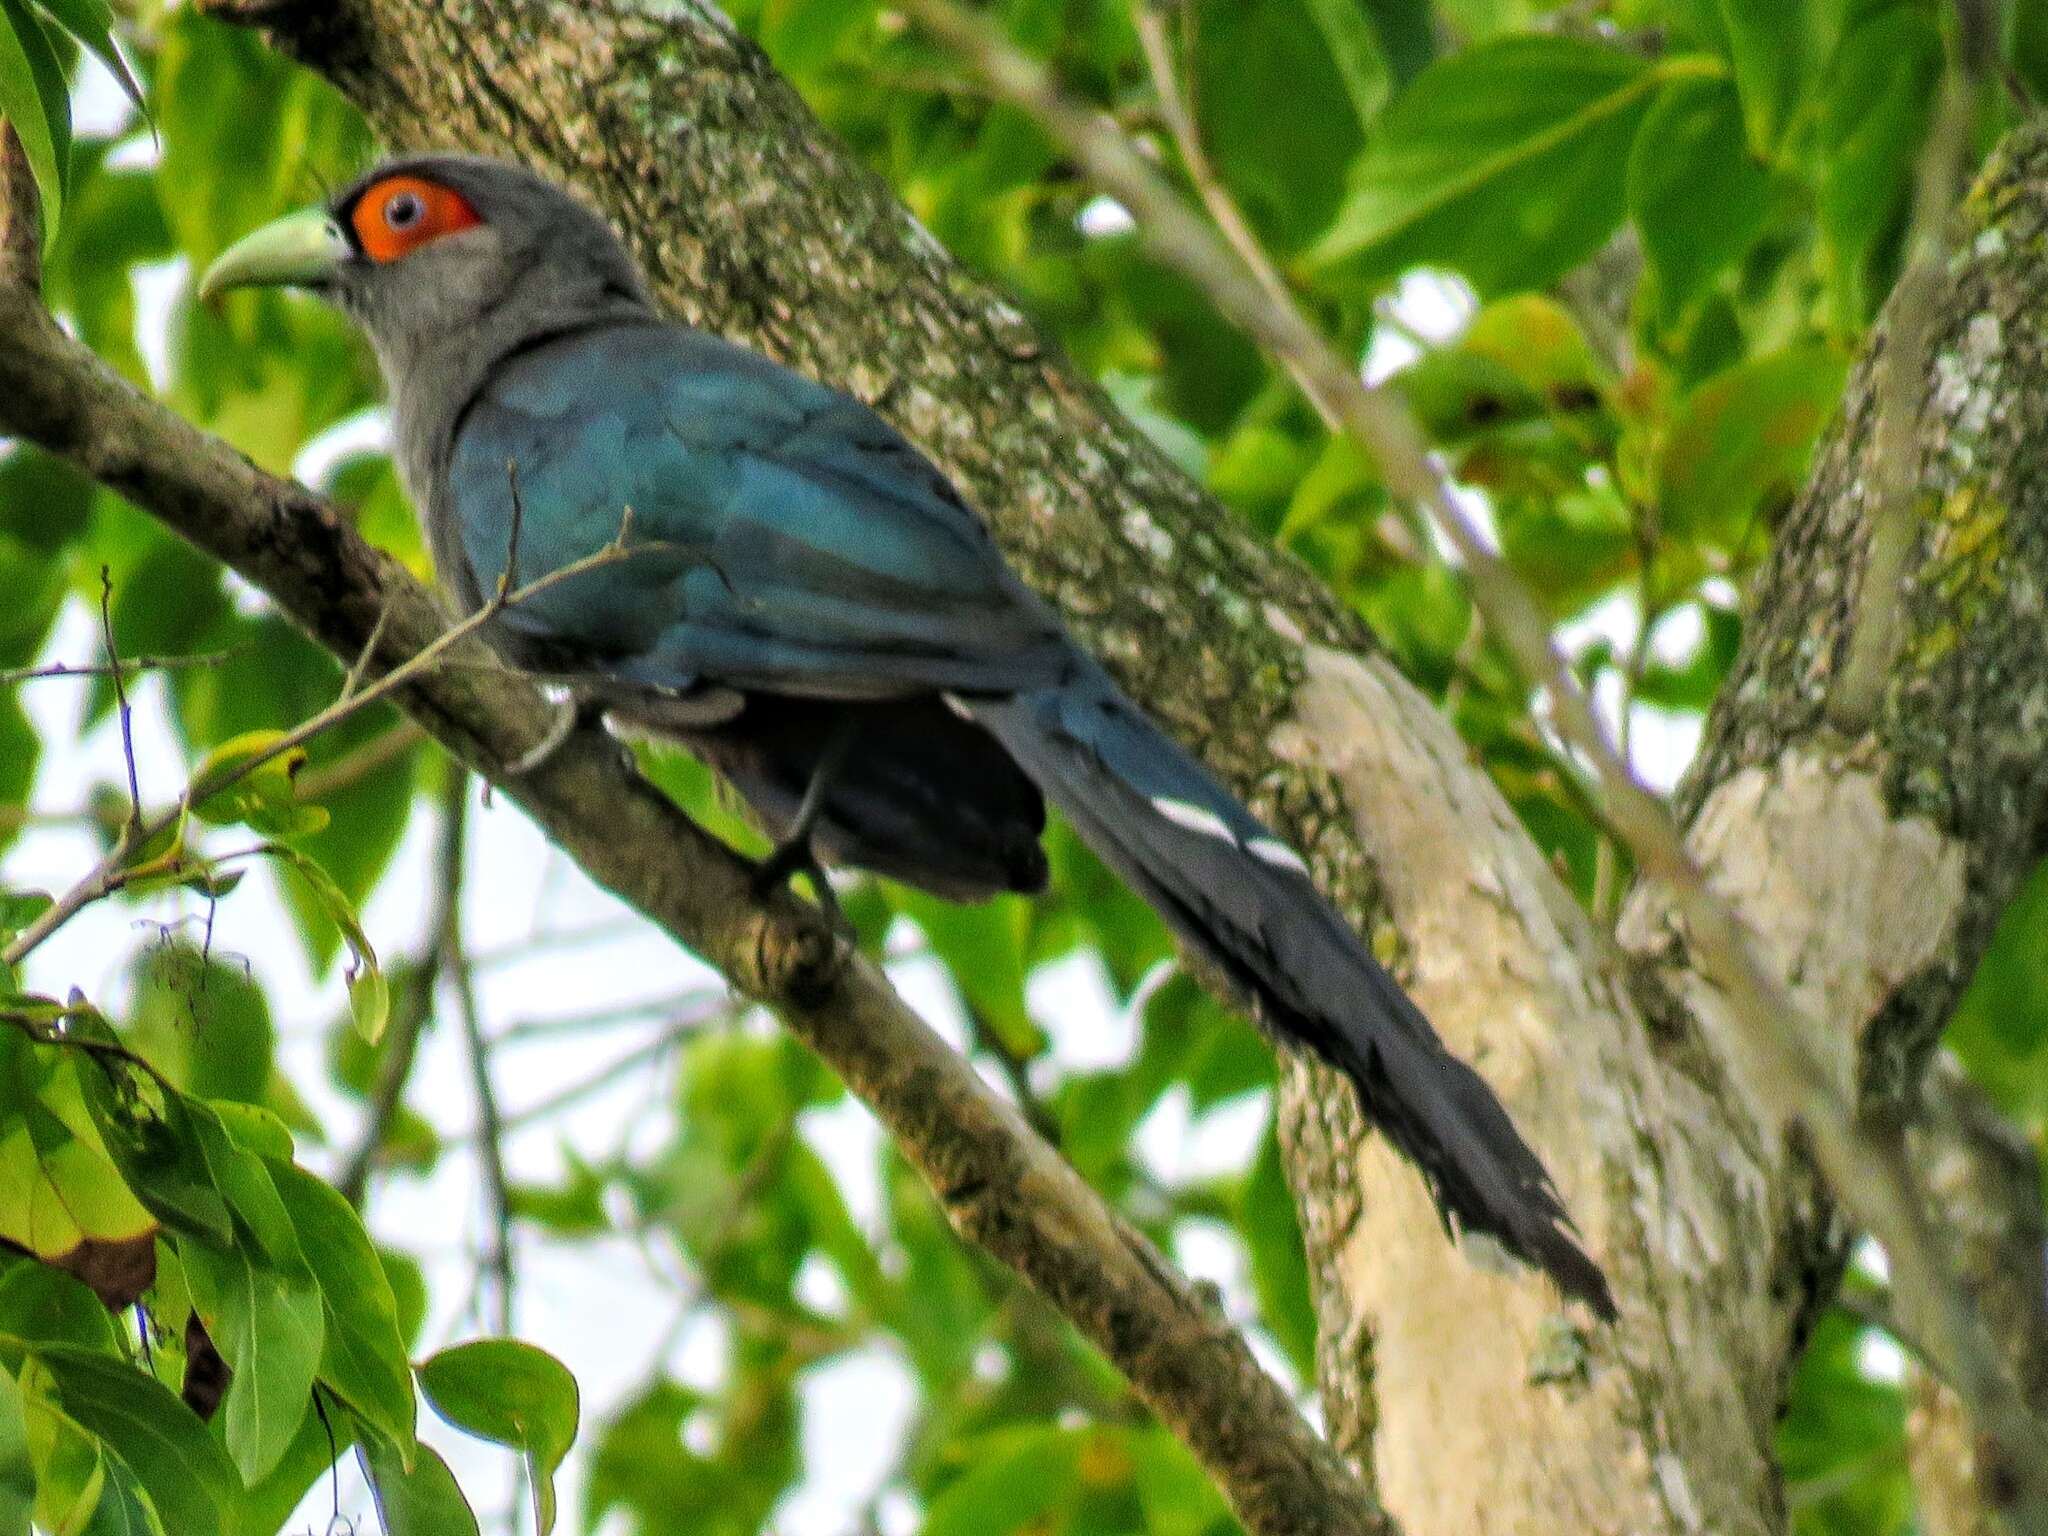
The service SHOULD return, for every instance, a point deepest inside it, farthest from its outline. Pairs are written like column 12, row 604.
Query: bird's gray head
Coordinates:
column 447, row 262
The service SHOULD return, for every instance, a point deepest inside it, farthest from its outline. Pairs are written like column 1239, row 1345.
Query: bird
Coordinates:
column 815, row 611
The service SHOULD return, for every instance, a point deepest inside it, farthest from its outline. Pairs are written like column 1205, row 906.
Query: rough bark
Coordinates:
column 1986, row 1181
column 1872, row 869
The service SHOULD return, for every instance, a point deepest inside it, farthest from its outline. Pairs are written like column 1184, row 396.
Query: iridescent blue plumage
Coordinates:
column 799, row 544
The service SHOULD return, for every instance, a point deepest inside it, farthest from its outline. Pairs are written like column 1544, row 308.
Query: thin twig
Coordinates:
column 11, row 677
column 691, row 1005
column 1878, row 622
column 625, row 1066
column 359, row 668
column 1771, row 1041
column 358, row 763
column 490, row 1124
column 1179, row 114
column 1405, row 541
column 1876, row 1309
column 111, row 873
column 415, row 1006
column 126, row 714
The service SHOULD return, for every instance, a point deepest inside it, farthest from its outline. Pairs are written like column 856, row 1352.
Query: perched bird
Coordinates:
column 812, row 609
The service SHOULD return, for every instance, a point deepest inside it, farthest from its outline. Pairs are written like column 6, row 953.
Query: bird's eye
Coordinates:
column 404, row 209
column 396, row 215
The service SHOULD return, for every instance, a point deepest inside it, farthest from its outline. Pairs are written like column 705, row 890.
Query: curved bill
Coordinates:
column 300, row 250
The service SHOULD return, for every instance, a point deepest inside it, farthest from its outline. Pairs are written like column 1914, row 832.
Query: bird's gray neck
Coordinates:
column 434, row 380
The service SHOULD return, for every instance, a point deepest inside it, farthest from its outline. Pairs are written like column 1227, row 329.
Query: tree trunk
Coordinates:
column 1871, row 870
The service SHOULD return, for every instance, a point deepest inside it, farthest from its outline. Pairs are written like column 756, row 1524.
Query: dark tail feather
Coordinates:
column 1243, row 899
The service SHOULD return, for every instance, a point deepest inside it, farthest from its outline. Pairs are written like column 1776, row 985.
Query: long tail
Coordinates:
column 1243, row 898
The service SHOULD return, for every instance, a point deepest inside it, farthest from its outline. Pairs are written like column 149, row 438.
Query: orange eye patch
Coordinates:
column 400, row 214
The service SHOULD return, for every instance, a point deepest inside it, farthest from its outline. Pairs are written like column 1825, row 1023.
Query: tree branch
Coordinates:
column 999, row 1184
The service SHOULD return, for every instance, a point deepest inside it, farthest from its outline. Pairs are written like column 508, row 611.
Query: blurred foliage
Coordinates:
column 1658, row 230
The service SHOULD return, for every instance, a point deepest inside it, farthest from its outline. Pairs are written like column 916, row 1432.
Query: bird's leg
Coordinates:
column 793, row 852
column 571, row 714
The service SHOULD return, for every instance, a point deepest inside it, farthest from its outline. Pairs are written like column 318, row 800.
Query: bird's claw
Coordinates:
column 793, row 857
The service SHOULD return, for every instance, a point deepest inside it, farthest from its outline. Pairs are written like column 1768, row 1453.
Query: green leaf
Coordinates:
column 369, row 996
column 35, row 99
column 202, row 1022
column 573, row 1208
column 369, row 1002
column 44, row 502
column 20, row 750
column 514, row 1394
column 175, row 1460
column 43, row 1305
column 1355, row 49
column 113, row 224
column 17, row 1469
column 20, row 908
column 362, row 1354
column 92, row 23
column 1179, row 1497
column 83, row 1488
column 1742, row 441
column 1697, row 195
column 255, row 1129
column 1841, row 1440
column 1505, row 161
column 242, row 1177
column 2000, row 1030
column 1286, row 169
column 1407, row 34
column 2028, row 26
column 263, row 797
column 1696, row 683
column 1013, row 1478
column 983, row 947
column 1765, row 38
column 154, row 1139
column 270, row 1327
column 266, row 1505
column 1875, row 105
column 58, row 1188
column 424, row 1501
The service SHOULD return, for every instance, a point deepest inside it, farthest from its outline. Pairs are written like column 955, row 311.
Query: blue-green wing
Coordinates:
column 786, row 538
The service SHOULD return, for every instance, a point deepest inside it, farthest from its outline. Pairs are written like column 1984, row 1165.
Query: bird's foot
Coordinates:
column 571, row 714
column 795, row 856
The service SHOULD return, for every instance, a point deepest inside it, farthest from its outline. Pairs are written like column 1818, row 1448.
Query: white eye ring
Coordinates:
column 402, row 210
